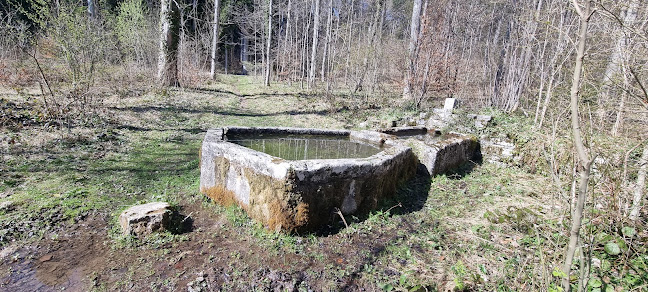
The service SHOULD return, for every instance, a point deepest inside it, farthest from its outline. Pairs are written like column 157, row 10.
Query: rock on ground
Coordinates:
column 145, row 219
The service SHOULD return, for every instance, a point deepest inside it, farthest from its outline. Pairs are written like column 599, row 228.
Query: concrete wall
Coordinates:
column 300, row 195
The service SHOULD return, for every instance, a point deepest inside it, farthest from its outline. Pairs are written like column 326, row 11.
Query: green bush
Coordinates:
column 132, row 28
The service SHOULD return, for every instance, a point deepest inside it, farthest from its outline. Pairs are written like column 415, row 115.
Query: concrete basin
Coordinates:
column 305, row 190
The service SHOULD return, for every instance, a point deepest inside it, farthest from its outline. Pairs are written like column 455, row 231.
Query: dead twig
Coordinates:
column 40, row 69
column 186, row 217
column 627, row 157
column 337, row 211
column 397, row 205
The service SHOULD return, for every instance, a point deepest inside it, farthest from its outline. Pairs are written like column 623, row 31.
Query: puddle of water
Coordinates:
column 303, row 147
column 23, row 277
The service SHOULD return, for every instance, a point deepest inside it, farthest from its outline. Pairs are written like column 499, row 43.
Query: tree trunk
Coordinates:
column 350, row 20
column 641, row 185
column 560, row 47
column 304, row 52
column 327, row 43
column 214, row 47
column 584, row 163
column 378, row 56
column 169, row 40
column 616, row 58
column 226, row 60
column 92, row 9
column 256, row 50
column 287, row 60
column 618, row 124
column 371, row 44
column 333, row 55
column 313, row 62
column 413, row 41
column 244, row 49
column 269, row 43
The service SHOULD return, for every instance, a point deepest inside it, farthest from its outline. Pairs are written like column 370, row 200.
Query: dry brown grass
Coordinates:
column 220, row 195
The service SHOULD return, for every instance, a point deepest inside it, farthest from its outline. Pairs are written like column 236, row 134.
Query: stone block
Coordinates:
column 145, row 219
column 450, row 104
column 498, row 149
column 481, row 121
column 300, row 195
column 404, row 131
column 440, row 153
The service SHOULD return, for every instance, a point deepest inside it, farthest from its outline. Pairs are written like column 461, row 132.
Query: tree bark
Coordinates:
column 287, row 60
column 169, row 40
column 313, row 61
column 327, row 43
column 618, row 124
column 212, row 71
column 558, row 50
column 585, row 163
column 92, row 9
column 350, row 21
column 413, row 41
column 640, row 187
column 614, row 63
column 268, row 45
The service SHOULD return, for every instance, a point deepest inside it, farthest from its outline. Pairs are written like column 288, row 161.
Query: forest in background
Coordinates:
column 510, row 55
column 519, row 58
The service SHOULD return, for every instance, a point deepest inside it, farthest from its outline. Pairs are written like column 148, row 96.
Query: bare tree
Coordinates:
column 214, row 46
column 413, row 41
column 92, row 9
column 169, row 40
column 640, row 185
column 327, row 42
column 268, row 45
column 313, row 60
column 616, row 62
column 584, row 162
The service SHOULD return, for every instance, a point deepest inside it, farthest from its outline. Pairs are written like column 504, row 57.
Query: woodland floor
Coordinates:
column 68, row 185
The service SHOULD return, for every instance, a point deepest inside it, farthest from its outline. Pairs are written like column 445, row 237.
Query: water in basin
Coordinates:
column 303, row 147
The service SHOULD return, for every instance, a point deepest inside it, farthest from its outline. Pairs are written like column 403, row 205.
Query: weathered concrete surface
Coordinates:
column 438, row 153
column 481, row 121
column 145, row 219
column 498, row 150
column 405, row 131
column 300, row 195
column 448, row 154
column 450, row 104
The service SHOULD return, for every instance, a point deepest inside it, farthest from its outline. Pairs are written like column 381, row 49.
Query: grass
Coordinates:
column 435, row 234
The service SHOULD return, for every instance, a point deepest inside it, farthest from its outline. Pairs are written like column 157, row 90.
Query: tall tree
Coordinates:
column 313, row 61
column 327, row 43
column 268, row 45
column 413, row 42
column 169, row 40
column 640, row 187
column 92, row 9
column 214, row 46
column 621, row 51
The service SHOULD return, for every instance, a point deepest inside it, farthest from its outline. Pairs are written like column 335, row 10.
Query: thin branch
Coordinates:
column 627, row 157
column 577, row 7
column 337, row 211
column 40, row 69
column 641, row 85
column 605, row 12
